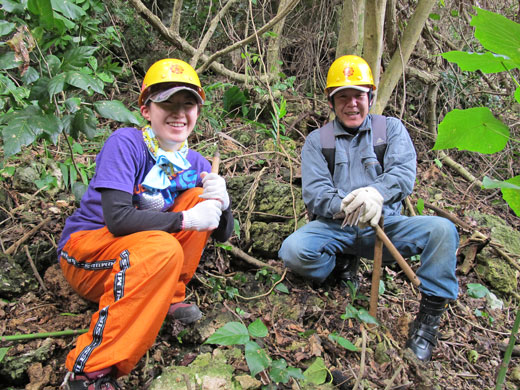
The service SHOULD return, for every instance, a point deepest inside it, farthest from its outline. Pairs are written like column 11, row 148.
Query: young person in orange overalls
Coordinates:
column 138, row 235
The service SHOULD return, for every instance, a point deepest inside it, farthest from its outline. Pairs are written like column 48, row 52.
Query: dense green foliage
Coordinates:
column 56, row 71
column 476, row 129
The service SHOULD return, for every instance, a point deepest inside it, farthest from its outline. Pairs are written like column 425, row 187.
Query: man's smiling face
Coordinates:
column 351, row 107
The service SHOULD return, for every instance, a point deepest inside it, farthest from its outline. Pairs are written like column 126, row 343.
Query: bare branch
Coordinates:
column 259, row 32
column 210, row 32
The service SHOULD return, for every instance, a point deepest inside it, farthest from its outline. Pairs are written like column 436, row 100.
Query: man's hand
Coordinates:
column 371, row 199
column 202, row 217
column 215, row 188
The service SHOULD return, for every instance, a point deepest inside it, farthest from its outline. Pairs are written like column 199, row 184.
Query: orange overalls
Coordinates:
column 135, row 278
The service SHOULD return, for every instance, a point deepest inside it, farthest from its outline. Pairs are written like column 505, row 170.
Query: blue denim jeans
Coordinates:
column 311, row 250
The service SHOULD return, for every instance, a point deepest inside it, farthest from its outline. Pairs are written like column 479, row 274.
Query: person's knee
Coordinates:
column 444, row 230
column 160, row 250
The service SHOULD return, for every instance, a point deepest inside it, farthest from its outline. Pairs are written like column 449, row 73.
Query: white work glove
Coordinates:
column 373, row 201
column 202, row 217
column 215, row 188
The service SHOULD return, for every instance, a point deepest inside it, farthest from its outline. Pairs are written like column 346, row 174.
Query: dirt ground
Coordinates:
column 467, row 357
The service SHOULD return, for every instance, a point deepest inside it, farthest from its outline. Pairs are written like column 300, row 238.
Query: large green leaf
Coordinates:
column 6, row 27
column 43, row 9
column 256, row 358
column 84, row 81
column 512, row 196
column 68, row 9
column 116, row 110
column 78, row 56
column 84, row 121
column 316, row 373
column 497, row 33
column 474, row 129
column 23, row 127
column 230, row 334
column 486, row 62
column 8, row 61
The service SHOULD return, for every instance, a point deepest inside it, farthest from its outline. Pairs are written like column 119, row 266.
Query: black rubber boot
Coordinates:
column 422, row 337
column 347, row 268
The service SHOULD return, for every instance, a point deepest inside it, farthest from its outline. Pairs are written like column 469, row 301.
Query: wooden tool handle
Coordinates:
column 215, row 162
column 397, row 256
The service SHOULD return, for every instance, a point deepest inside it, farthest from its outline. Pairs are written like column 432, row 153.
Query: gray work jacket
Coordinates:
column 356, row 166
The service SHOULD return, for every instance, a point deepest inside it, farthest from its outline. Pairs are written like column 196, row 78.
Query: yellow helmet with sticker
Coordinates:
column 170, row 70
column 349, row 71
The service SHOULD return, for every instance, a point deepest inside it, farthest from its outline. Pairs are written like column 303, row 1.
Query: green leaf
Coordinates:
column 30, row 75
column 350, row 312
column 279, row 372
column 476, row 290
column 317, row 372
column 68, row 9
column 43, row 9
column 24, row 126
column 490, row 183
column 6, row 27
column 512, row 195
column 3, row 352
column 84, row 121
column 497, row 33
column 257, row 328
column 282, row 288
column 295, row 373
column 230, row 334
column 486, row 62
column 56, row 84
column 343, row 342
column 73, row 104
column 8, row 61
column 12, row 6
column 233, row 98
column 420, row 206
column 256, row 358
column 84, row 81
column 465, row 130
column 364, row 316
column 116, row 110
column 78, row 56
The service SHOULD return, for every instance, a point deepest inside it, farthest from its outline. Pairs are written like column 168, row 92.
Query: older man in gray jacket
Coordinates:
column 360, row 180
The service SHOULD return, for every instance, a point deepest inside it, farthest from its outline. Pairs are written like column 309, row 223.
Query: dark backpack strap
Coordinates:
column 328, row 145
column 379, row 137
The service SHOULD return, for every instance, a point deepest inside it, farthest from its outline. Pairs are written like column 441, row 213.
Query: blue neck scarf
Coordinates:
column 166, row 163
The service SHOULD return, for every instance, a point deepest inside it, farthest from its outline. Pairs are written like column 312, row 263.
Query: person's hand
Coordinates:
column 215, row 188
column 371, row 199
column 202, row 217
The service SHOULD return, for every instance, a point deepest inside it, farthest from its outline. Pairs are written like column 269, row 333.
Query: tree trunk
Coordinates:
column 273, row 49
column 350, row 37
column 176, row 17
column 373, row 42
column 399, row 59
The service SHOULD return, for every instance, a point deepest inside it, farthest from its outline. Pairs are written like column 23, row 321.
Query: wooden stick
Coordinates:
column 215, row 162
column 376, row 273
column 15, row 246
column 397, row 256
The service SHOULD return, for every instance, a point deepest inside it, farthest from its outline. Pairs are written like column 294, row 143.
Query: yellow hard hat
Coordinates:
column 170, row 70
column 349, row 71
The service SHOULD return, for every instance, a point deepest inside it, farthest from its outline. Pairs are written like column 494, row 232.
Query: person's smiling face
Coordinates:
column 173, row 120
column 351, row 107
